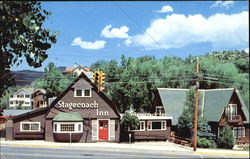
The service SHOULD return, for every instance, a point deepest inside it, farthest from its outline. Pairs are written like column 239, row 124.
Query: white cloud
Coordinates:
column 99, row 44
column 115, row 32
column 246, row 50
column 165, row 9
column 226, row 4
column 128, row 42
column 178, row 30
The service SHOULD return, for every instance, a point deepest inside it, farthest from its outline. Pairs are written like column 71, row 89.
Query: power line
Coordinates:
column 138, row 25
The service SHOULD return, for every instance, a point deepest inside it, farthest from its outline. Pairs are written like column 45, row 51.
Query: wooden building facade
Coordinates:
column 79, row 114
column 217, row 106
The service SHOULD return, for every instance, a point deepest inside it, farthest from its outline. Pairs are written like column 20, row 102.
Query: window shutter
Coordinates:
column 94, row 130
column 112, row 129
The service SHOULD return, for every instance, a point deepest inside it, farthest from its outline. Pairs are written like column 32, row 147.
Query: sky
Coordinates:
column 92, row 31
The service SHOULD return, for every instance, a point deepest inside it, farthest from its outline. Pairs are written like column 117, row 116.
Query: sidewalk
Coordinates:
column 158, row 146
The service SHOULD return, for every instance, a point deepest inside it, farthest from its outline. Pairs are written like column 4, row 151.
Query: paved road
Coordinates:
column 18, row 152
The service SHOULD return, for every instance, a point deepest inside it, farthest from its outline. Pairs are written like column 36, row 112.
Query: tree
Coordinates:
column 130, row 122
column 186, row 119
column 133, row 81
column 225, row 138
column 4, row 101
column 22, row 36
column 204, row 130
column 54, row 82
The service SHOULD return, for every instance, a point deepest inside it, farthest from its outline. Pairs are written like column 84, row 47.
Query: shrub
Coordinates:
column 203, row 143
column 130, row 122
column 225, row 138
column 213, row 144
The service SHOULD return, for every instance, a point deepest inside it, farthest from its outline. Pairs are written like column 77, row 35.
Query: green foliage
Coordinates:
column 225, row 138
column 54, row 82
column 204, row 130
column 186, row 119
column 22, row 35
column 205, row 143
column 130, row 122
column 4, row 100
column 133, row 81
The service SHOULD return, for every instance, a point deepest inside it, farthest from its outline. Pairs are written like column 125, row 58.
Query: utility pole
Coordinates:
column 196, row 105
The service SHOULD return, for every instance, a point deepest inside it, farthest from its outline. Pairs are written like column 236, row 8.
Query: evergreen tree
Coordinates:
column 225, row 138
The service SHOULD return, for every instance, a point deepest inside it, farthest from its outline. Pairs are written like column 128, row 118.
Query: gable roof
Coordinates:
column 69, row 116
column 215, row 101
column 27, row 90
column 95, row 88
column 71, row 69
column 14, row 112
column 33, row 112
column 173, row 102
column 211, row 104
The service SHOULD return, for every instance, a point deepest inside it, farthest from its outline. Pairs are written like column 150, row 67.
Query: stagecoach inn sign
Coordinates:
column 72, row 105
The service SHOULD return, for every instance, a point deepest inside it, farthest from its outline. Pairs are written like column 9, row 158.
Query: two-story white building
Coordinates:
column 22, row 98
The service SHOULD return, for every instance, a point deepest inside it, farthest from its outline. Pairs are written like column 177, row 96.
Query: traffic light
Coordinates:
column 101, row 89
column 101, row 78
column 101, row 81
column 96, row 77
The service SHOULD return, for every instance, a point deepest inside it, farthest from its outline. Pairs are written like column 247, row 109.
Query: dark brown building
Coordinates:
column 153, row 126
column 79, row 114
column 39, row 99
column 217, row 106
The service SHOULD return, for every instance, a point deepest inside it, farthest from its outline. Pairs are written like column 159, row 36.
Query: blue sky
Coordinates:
column 91, row 31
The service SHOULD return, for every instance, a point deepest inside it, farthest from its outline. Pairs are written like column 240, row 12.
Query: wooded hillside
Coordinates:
column 133, row 81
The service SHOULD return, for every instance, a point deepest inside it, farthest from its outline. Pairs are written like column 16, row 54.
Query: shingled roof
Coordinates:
column 212, row 102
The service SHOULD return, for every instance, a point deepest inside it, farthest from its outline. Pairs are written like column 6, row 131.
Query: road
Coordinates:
column 22, row 152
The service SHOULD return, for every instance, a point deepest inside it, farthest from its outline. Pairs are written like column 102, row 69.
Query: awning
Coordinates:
column 69, row 116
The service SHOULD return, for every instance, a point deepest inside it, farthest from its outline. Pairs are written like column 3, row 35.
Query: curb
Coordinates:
column 221, row 153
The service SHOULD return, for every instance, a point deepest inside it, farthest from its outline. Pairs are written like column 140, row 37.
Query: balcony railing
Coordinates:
column 233, row 118
column 149, row 114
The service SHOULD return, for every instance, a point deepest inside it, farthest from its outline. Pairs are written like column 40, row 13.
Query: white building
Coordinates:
column 21, row 98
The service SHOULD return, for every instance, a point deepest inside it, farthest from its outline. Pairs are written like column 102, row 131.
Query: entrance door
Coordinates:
column 103, row 129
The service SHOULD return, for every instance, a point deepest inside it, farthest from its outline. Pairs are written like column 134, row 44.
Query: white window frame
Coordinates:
column 242, row 130
column 163, row 122
column 39, row 126
column 83, row 93
column 143, row 126
column 161, row 109
column 90, row 93
column 58, row 125
column 229, row 110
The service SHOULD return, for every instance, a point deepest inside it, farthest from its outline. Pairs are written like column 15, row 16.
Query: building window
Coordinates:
column 158, row 110
column 149, row 125
column 79, row 127
column 27, row 102
column 17, row 96
column 78, row 93
column 55, row 126
column 87, row 93
column 82, row 92
column 142, row 125
column 21, row 96
column 239, row 132
column 11, row 102
column 27, row 96
column 11, row 96
column 30, row 126
column 68, row 127
column 231, row 110
column 156, row 125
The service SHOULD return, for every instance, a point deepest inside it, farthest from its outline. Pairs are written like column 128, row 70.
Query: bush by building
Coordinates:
column 225, row 138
